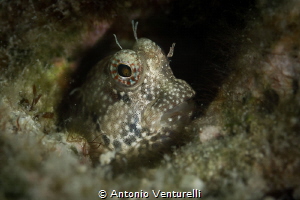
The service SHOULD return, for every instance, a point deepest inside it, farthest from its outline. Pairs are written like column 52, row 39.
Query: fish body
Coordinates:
column 133, row 104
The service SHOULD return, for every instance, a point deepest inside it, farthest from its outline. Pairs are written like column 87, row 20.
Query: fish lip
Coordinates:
column 185, row 108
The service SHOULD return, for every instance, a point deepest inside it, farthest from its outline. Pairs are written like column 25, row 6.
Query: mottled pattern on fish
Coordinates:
column 134, row 102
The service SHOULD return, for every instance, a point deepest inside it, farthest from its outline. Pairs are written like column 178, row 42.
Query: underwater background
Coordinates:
column 241, row 58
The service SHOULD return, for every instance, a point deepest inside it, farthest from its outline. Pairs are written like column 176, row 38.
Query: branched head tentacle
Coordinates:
column 117, row 41
column 134, row 28
column 171, row 52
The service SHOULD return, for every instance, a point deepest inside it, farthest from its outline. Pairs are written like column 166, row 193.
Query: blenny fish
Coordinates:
column 132, row 104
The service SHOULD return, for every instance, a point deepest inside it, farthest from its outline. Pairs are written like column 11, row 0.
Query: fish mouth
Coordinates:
column 179, row 115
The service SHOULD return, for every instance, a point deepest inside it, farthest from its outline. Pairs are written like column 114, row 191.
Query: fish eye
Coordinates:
column 124, row 70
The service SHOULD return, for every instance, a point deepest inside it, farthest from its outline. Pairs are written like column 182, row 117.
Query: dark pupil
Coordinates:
column 124, row 70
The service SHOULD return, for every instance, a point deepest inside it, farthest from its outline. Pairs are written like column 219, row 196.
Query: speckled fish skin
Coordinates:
column 140, row 110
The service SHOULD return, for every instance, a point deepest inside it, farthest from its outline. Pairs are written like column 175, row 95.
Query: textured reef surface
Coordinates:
column 239, row 61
